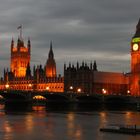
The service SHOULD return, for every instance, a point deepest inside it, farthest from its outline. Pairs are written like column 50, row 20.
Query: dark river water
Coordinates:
column 40, row 124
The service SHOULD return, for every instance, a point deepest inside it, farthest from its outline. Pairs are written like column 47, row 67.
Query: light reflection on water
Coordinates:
column 43, row 125
column 74, row 130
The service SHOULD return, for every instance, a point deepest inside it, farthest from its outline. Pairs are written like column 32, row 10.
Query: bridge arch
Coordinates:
column 1, row 97
column 39, row 97
column 56, row 97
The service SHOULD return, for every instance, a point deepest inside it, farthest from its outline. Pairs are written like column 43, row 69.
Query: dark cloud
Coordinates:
column 80, row 30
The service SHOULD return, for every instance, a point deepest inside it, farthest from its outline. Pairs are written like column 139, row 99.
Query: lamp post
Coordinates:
column 128, row 92
column 104, row 91
column 79, row 90
column 71, row 89
column 7, row 86
column 47, row 88
column 30, row 86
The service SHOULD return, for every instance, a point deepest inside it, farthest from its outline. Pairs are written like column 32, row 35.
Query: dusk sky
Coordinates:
column 81, row 30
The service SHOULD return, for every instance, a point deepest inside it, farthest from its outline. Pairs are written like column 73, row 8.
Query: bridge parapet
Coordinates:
column 69, row 97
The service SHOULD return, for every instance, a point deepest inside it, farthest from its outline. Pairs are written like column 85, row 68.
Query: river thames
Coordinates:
column 40, row 124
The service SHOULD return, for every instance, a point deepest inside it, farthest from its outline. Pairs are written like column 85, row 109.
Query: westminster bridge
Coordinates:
column 20, row 98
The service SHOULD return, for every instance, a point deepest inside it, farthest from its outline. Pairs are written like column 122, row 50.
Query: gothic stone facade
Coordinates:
column 20, row 77
column 87, row 79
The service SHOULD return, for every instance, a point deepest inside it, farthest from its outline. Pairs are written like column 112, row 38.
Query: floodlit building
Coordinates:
column 91, row 81
column 82, row 78
column 20, row 77
column 135, row 62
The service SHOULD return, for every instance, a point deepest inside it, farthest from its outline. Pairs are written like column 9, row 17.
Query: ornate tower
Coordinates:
column 135, row 62
column 20, row 57
column 50, row 67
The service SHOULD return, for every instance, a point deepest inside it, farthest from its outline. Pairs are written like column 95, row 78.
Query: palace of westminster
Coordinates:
column 84, row 78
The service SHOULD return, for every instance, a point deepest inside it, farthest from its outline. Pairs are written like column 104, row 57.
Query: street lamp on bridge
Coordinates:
column 30, row 86
column 79, row 90
column 47, row 88
column 104, row 91
column 7, row 86
column 71, row 87
column 128, row 92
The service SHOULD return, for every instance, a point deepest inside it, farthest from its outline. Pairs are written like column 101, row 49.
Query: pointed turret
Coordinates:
column 7, row 76
column 28, row 71
column 83, row 64
column 12, row 45
column 51, row 55
column 64, row 66
column 18, row 44
column 69, row 64
column 77, row 65
column 95, row 66
column 73, row 66
column 37, row 73
column 4, row 73
column 91, row 65
column 50, row 64
column 29, row 46
column 34, row 71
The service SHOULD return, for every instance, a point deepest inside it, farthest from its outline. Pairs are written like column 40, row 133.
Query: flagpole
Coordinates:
column 21, row 32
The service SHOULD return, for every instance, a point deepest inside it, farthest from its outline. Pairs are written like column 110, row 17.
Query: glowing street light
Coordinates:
column 7, row 86
column 71, row 87
column 30, row 85
column 128, row 92
column 47, row 88
column 104, row 91
column 79, row 90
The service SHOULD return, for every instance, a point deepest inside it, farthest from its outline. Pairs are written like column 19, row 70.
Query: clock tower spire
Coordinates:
column 135, row 62
column 137, row 34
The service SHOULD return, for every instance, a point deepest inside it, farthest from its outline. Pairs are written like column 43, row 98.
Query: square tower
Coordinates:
column 20, row 57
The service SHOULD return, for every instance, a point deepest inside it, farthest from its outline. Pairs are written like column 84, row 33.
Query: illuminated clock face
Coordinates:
column 135, row 47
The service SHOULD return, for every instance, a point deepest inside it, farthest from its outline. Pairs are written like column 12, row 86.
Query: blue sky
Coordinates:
column 81, row 30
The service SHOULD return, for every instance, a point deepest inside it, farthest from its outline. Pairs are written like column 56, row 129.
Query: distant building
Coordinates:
column 87, row 79
column 111, row 83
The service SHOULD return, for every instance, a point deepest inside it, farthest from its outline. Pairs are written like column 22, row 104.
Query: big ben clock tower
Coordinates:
column 135, row 62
